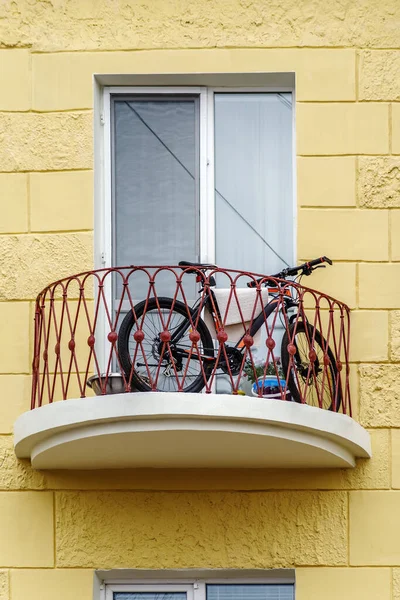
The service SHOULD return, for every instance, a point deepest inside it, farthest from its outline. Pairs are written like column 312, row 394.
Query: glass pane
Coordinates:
column 149, row 596
column 155, row 181
column 253, row 188
column 250, row 592
column 253, row 180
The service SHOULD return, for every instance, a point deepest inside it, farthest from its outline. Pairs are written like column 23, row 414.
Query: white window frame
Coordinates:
column 103, row 179
column 156, row 588
column 196, row 589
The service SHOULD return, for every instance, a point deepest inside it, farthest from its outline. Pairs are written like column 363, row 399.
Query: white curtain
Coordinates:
column 253, row 180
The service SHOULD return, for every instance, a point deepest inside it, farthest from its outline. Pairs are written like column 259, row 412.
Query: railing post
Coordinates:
column 36, row 354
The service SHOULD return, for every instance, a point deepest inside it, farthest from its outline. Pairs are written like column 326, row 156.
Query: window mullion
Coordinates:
column 207, row 200
column 200, row 590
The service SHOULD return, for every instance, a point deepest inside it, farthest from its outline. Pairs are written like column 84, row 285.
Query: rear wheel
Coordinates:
column 181, row 365
column 313, row 380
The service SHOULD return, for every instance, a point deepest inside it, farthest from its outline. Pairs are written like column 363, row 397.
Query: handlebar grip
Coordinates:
column 318, row 261
column 253, row 284
column 267, row 281
column 306, row 268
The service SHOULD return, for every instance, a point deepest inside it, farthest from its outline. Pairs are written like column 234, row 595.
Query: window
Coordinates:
column 202, row 591
column 193, row 173
column 201, row 174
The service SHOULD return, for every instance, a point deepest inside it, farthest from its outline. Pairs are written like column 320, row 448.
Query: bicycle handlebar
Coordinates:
column 307, row 268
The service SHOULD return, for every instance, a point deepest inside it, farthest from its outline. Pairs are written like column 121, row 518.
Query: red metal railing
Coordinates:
column 283, row 341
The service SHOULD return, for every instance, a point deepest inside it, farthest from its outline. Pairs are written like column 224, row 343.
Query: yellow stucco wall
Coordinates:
column 340, row 529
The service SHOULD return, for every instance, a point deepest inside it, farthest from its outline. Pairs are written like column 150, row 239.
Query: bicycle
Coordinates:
column 174, row 339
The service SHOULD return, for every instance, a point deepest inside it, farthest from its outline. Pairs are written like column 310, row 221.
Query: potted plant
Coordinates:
column 269, row 380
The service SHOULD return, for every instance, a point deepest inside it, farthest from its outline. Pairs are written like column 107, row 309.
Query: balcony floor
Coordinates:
column 186, row 430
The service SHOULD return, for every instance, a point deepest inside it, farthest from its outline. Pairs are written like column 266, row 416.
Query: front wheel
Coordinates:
column 176, row 365
column 313, row 381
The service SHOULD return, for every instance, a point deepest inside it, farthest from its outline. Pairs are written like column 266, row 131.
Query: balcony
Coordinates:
column 189, row 367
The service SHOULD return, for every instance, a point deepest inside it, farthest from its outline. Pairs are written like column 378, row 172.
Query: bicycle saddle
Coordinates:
column 199, row 266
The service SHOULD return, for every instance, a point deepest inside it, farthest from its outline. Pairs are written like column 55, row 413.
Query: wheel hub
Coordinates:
column 308, row 372
column 156, row 350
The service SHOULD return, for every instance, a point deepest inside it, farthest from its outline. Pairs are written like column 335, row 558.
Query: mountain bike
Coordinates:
column 175, row 341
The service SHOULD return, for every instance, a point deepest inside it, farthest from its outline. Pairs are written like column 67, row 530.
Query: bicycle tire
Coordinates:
column 332, row 396
column 125, row 336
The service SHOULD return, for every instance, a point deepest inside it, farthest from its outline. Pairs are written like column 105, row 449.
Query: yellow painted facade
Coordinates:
column 340, row 529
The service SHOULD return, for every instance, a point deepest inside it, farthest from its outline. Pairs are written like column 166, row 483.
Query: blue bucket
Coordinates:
column 269, row 387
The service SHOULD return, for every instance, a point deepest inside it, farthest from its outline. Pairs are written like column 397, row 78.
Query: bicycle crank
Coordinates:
column 235, row 359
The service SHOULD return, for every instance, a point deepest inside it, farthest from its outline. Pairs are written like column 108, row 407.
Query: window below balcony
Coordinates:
column 201, row 590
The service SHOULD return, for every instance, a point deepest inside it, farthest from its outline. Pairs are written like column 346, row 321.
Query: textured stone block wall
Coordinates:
column 340, row 529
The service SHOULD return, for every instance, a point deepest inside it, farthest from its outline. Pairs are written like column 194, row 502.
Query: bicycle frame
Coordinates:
column 211, row 305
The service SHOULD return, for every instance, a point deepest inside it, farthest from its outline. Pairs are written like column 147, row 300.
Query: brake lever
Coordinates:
column 308, row 271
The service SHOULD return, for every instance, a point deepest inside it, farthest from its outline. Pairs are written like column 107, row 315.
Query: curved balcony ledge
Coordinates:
column 175, row 430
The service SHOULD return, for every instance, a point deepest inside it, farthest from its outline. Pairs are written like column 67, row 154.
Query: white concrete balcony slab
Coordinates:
column 172, row 430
